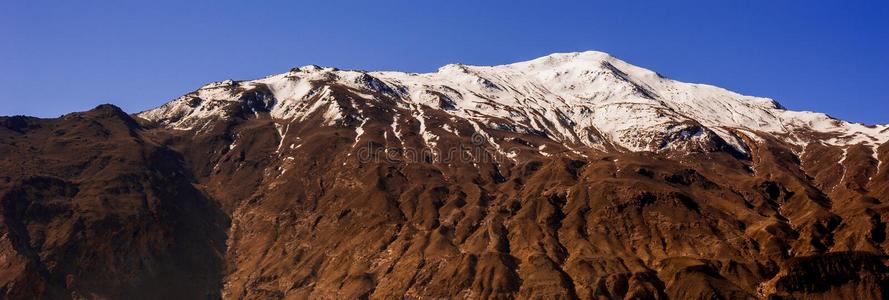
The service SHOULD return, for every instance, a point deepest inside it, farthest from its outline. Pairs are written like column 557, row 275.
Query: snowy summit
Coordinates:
column 581, row 100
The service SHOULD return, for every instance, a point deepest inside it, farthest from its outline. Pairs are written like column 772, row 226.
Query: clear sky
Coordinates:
column 57, row 57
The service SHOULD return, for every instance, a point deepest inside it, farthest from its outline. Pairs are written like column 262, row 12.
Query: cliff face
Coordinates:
column 573, row 176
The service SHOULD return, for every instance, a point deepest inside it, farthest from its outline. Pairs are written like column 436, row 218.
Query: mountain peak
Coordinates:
column 584, row 99
column 578, row 60
column 581, row 56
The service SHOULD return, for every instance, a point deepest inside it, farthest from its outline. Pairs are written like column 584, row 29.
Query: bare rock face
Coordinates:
column 93, row 208
column 569, row 176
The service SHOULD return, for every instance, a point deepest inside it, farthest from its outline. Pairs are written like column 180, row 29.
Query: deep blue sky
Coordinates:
column 56, row 57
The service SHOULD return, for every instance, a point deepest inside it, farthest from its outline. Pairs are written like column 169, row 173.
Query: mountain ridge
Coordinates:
column 597, row 106
column 542, row 180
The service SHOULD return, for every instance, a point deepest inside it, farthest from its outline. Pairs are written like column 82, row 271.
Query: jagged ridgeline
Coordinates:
column 573, row 175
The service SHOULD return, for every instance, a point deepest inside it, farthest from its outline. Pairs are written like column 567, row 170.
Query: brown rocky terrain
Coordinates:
column 247, row 205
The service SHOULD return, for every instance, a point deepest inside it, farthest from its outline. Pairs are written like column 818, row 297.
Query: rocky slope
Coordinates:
column 573, row 176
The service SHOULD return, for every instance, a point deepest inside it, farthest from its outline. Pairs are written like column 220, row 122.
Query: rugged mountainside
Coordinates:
column 573, row 175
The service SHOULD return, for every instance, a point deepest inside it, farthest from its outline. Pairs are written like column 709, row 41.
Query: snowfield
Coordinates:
column 581, row 99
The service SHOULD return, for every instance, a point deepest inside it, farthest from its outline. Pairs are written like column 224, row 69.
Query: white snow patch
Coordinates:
column 359, row 131
column 842, row 160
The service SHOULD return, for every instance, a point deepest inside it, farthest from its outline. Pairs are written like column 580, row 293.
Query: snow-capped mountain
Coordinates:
column 570, row 176
column 582, row 99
